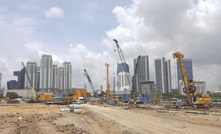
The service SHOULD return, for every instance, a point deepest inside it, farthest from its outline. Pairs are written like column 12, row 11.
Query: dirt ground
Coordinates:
column 104, row 119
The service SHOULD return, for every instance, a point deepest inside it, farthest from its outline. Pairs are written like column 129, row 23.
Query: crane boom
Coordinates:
column 89, row 80
column 135, row 72
column 188, row 89
column 120, row 52
column 33, row 90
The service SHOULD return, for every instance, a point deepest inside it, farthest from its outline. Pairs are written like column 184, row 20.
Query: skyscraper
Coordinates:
column 163, row 75
column 55, row 79
column 46, row 73
column 188, row 69
column 189, row 72
column 123, row 79
column 68, row 67
column 62, row 78
column 31, row 69
column 142, row 74
column 122, row 67
column 21, row 78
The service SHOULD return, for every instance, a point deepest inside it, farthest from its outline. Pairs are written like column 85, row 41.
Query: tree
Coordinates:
column 170, row 95
column 102, row 93
column 89, row 95
column 12, row 95
column 1, row 96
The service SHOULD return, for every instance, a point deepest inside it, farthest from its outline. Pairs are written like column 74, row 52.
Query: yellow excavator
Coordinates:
column 193, row 98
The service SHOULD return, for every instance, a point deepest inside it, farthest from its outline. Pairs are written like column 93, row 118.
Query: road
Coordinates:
column 131, row 121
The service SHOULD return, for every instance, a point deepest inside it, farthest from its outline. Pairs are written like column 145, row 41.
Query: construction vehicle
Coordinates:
column 112, row 100
column 90, row 82
column 121, row 55
column 135, row 94
column 32, row 89
column 107, row 92
column 43, row 97
column 193, row 98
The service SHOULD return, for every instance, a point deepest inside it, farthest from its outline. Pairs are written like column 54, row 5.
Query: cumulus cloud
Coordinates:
column 159, row 28
column 83, row 58
column 54, row 13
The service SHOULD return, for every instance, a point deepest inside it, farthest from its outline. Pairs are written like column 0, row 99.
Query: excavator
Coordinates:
column 193, row 98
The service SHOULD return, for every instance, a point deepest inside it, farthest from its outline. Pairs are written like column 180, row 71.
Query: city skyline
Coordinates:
column 43, row 77
column 83, row 31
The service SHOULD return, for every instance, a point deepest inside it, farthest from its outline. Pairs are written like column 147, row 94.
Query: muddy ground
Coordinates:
column 104, row 119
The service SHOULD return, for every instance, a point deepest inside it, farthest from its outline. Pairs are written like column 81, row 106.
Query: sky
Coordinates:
column 82, row 32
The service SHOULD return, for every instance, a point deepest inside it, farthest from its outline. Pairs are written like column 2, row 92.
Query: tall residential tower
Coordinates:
column 31, row 69
column 142, row 74
column 46, row 73
column 68, row 67
column 163, row 75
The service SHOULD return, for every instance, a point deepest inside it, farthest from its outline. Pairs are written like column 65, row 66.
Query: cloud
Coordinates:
column 54, row 13
column 159, row 28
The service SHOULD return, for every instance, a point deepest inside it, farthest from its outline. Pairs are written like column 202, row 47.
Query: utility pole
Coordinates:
column 107, row 81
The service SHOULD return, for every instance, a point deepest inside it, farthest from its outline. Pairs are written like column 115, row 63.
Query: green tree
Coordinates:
column 1, row 96
column 170, row 95
column 89, row 95
column 101, row 94
column 12, row 95
column 216, row 95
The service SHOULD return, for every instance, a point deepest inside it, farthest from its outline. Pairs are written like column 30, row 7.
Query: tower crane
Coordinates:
column 89, row 80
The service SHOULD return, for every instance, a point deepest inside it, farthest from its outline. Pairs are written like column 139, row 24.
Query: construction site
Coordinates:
column 96, row 118
column 135, row 113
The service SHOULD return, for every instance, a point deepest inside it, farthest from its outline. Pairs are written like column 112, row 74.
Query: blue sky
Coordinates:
column 81, row 31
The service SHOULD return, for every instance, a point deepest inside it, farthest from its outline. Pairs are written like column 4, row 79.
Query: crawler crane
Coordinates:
column 189, row 89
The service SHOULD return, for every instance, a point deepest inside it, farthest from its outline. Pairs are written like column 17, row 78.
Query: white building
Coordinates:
column 199, row 84
column 62, row 78
column 123, row 85
column 46, row 73
column 163, row 75
column 55, row 79
column 24, row 93
column 31, row 69
column 68, row 67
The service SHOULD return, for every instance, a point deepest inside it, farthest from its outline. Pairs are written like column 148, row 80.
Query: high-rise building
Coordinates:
column 55, row 78
column 68, row 67
column 122, row 67
column 46, row 73
column 163, row 75
column 21, row 78
column 123, row 82
column 188, row 69
column 38, row 78
column 62, row 78
column 12, row 84
column 31, row 69
column 142, row 73
column 199, row 84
